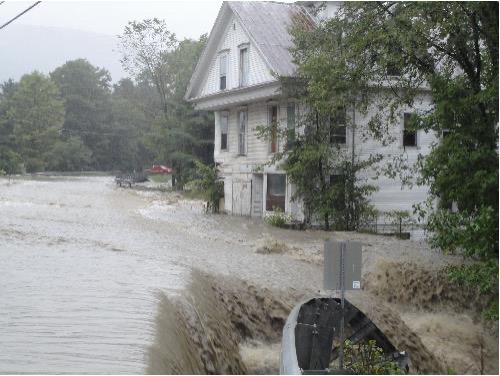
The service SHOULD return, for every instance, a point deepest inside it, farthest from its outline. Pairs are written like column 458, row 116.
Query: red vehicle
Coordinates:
column 159, row 169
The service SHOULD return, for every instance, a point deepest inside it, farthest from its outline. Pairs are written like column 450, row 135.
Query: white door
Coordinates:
column 257, row 189
column 241, row 197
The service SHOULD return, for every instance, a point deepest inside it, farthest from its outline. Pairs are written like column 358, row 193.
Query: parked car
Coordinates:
column 159, row 169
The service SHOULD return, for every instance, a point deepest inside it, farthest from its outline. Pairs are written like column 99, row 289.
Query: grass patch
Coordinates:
column 160, row 178
column 193, row 194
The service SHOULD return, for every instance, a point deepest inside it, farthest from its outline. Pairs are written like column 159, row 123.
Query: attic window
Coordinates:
column 234, row 25
column 222, row 71
column 244, row 63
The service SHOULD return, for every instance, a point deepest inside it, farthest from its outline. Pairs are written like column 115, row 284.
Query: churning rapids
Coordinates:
column 84, row 265
column 97, row 279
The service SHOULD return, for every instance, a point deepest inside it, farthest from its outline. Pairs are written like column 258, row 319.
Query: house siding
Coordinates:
column 257, row 149
column 235, row 36
column 246, row 176
column 391, row 188
column 239, row 169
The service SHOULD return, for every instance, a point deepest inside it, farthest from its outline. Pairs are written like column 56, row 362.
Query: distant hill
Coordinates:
column 27, row 48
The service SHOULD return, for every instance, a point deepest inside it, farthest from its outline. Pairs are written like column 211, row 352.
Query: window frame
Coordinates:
column 290, row 128
column 408, row 134
column 242, row 132
column 244, row 62
column 276, row 200
column 338, row 127
column 273, row 145
column 224, row 114
column 223, row 56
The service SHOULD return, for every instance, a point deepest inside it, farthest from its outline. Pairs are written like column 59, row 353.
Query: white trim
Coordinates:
column 213, row 42
column 240, row 96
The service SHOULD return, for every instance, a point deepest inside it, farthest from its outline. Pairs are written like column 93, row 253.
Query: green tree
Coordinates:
column 69, row 154
column 37, row 114
column 130, row 124
column 145, row 48
column 87, row 95
column 387, row 56
column 10, row 160
column 325, row 173
column 179, row 135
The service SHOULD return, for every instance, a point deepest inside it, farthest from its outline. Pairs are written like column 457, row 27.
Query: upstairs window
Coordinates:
column 244, row 65
column 273, row 123
column 242, row 130
column 337, row 181
column 409, row 136
column 392, row 66
column 338, row 130
column 290, row 124
column 224, row 125
column 393, row 70
column 222, row 72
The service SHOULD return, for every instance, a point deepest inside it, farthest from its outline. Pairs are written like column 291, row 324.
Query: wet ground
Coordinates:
column 86, row 269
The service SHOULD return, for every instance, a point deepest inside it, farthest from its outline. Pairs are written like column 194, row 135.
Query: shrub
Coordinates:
column 400, row 219
column 366, row 358
column 209, row 186
column 277, row 218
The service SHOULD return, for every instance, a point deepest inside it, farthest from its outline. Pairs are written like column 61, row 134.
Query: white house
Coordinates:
column 237, row 78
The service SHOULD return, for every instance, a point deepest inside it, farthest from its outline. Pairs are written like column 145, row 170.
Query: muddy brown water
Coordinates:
column 83, row 265
column 97, row 279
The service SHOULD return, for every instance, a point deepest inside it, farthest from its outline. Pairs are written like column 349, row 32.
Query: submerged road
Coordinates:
column 82, row 262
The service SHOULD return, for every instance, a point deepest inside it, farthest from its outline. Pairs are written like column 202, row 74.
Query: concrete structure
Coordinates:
column 237, row 78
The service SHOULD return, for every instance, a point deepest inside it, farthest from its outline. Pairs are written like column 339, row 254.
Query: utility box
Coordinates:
column 333, row 265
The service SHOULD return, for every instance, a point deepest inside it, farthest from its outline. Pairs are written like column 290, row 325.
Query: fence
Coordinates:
column 398, row 227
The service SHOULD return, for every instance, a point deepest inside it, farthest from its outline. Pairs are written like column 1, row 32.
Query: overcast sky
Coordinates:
column 188, row 19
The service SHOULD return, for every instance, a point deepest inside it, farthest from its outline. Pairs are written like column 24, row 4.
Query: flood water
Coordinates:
column 82, row 264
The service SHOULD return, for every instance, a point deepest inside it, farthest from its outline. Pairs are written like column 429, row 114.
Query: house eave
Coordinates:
column 238, row 96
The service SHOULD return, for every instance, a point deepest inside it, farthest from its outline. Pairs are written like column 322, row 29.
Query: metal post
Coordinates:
column 342, row 299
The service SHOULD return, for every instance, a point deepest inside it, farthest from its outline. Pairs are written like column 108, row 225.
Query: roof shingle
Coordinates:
column 268, row 24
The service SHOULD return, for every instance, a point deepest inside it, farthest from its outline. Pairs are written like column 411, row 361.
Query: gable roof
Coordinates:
column 266, row 24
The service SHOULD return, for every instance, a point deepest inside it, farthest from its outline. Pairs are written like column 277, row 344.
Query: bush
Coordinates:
column 277, row 218
column 400, row 219
column 366, row 358
column 209, row 186
column 10, row 163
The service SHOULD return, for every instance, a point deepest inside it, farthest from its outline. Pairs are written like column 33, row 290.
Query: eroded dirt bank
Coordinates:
column 404, row 292
column 225, row 325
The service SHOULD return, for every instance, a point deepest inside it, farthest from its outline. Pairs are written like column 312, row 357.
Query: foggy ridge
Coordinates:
column 25, row 48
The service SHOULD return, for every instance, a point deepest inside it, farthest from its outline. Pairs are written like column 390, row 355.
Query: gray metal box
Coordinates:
column 352, row 265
